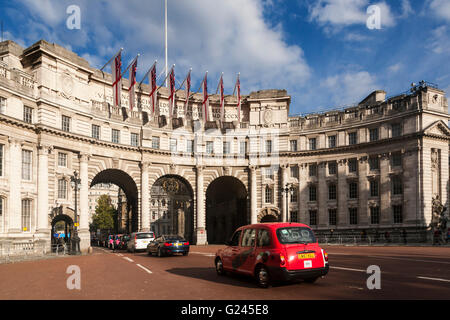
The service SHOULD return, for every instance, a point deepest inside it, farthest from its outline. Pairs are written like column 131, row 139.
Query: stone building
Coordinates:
column 375, row 165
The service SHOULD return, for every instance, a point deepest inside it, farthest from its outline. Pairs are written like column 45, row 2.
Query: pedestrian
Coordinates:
column 404, row 234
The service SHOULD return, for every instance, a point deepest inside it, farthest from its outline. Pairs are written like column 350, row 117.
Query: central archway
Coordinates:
column 126, row 183
column 226, row 208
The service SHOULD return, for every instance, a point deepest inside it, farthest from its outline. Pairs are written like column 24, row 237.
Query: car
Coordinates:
column 272, row 252
column 139, row 241
column 116, row 243
column 123, row 241
column 168, row 245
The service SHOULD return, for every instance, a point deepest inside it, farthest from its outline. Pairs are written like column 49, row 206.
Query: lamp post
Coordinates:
column 75, row 182
column 288, row 189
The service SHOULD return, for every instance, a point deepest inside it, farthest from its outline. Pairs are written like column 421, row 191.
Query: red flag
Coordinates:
column 205, row 98
column 116, row 69
column 171, row 92
column 131, row 93
column 188, row 92
column 238, row 86
column 153, row 87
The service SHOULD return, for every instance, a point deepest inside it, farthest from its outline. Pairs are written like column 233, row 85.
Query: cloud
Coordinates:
column 406, row 9
column 395, row 67
column 439, row 42
column 441, row 8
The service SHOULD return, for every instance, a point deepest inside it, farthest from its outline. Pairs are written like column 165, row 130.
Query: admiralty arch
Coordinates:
column 376, row 165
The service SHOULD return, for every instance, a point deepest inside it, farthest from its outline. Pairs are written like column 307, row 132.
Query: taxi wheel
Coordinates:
column 262, row 277
column 219, row 267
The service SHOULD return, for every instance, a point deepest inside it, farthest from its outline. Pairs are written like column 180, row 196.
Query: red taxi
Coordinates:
column 273, row 252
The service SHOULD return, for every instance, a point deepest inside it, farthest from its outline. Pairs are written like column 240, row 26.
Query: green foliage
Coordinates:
column 105, row 214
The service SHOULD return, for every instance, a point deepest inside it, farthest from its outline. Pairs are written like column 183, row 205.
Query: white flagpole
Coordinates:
column 165, row 36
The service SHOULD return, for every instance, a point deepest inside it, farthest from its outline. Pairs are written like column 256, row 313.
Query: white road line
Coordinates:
column 348, row 269
column 126, row 258
column 405, row 259
column 434, row 279
column 204, row 253
column 144, row 268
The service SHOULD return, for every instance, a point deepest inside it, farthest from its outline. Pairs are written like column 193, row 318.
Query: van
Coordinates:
column 139, row 241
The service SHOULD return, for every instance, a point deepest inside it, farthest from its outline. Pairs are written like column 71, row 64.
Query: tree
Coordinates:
column 105, row 214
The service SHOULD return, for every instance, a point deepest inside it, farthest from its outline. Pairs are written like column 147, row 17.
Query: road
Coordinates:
column 406, row 273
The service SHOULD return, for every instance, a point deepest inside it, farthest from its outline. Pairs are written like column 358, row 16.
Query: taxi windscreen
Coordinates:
column 290, row 235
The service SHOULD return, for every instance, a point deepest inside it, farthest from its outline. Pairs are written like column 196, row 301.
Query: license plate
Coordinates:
column 306, row 255
column 177, row 244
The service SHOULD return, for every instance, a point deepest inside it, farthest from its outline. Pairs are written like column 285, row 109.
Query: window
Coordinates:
column 374, row 163
column 95, row 131
column 352, row 165
column 396, row 130
column 2, row 105
column 332, row 192
column 26, row 164
column 396, row 159
column 173, row 145
column 155, row 142
column 331, row 141
column 294, row 195
column 332, row 167
column 353, row 190
column 235, row 239
column 209, row 147
column 373, row 134
column 268, row 195
column 115, row 136
column 398, row 213
column 62, row 159
column 134, row 139
column 26, row 215
column 332, row 217
column 294, row 216
column 1, row 213
column 312, row 193
column 352, row 138
column 397, row 186
column 248, row 238
column 263, row 238
column 65, row 123
column 62, row 189
column 226, row 147
column 312, row 170
column 190, row 146
column 243, row 147
column 1, row 160
column 293, row 145
column 28, row 114
column 353, row 214
column 294, row 171
column 374, row 215
column 374, row 188
column 269, row 146
column 312, row 217
column 269, row 173
column 312, row 144
column 295, row 235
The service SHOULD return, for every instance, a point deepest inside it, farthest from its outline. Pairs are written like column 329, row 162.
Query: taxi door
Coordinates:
column 245, row 259
column 231, row 251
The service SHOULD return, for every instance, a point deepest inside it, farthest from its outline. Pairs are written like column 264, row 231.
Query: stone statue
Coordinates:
column 438, row 224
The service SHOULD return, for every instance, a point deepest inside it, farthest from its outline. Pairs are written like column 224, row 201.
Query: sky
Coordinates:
column 326, row 53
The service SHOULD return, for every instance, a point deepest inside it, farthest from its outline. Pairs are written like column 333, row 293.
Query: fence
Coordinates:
column 11, row 250
column 374, row 239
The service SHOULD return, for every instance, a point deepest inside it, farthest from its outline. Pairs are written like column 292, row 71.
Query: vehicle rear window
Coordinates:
column 144, row 235
column 299, row 235
column 174, row 238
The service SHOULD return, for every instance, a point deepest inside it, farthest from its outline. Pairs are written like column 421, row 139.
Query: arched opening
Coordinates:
column 269, row 215
column 226, row 208
column 62, row 227
column 124, row 196
column 171, row 207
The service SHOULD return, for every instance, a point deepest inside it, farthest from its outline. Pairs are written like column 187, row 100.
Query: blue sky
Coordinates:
column 321, row 51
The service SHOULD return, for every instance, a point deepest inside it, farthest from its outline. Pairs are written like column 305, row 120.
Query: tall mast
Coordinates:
column 165, row 36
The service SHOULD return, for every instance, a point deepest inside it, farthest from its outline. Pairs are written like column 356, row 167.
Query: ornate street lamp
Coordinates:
column 288, row 189
column 75, row 182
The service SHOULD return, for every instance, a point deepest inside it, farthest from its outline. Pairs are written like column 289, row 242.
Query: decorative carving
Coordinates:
column 67, row 85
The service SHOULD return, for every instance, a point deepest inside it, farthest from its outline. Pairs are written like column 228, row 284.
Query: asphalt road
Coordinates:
column 406, row 273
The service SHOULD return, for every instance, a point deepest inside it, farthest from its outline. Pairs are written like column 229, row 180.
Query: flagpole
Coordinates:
column 165, row 37
column 111, row 59
column 219, row 83
column 146, row 74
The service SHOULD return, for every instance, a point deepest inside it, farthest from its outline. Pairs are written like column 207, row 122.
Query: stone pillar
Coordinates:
column 342, row 194
column 253, row 196
column 201, row 218
column 42, row 212
column 363, row 192
column 303, row 194
column 385, row 191
column 145, row 197
column 15, row 178
column 83, row 203
column 322, row 195
column 284, row 211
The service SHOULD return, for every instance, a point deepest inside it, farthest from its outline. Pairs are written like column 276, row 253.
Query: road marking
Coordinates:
column 415, row 260
column 434, row 279
column 204, row 254
column 144, row 268
column 348, row 269
column 126, row 258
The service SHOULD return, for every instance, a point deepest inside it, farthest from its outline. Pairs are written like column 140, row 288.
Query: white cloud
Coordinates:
column 439, row 41
column 441, row 8
column 406, row 9
column 395, row 67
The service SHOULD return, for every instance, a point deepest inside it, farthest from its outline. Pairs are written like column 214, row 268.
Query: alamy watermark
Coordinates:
column 73, row 21
column 74, row 280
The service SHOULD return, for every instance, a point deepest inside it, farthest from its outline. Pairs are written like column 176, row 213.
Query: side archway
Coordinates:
column 269, row 215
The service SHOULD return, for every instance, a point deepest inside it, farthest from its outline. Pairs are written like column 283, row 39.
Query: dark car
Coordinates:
column 123, row 240
column 168, row 245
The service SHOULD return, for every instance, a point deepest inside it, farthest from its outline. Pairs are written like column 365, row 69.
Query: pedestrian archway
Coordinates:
column 62, row 223
column 226, row 208
column 269, row 215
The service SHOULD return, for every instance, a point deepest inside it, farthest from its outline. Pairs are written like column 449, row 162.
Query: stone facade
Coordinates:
column 375, row 165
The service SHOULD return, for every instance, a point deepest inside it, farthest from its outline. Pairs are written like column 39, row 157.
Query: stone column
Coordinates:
column 145, row 197
column 363, row 192
column 322, row 196
column 42, row 214
column 342, row 196
column 201, row 218
column 253, row 195
column 385, row 191
column 15, row 178
column 83, row 203
column 284, row 212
